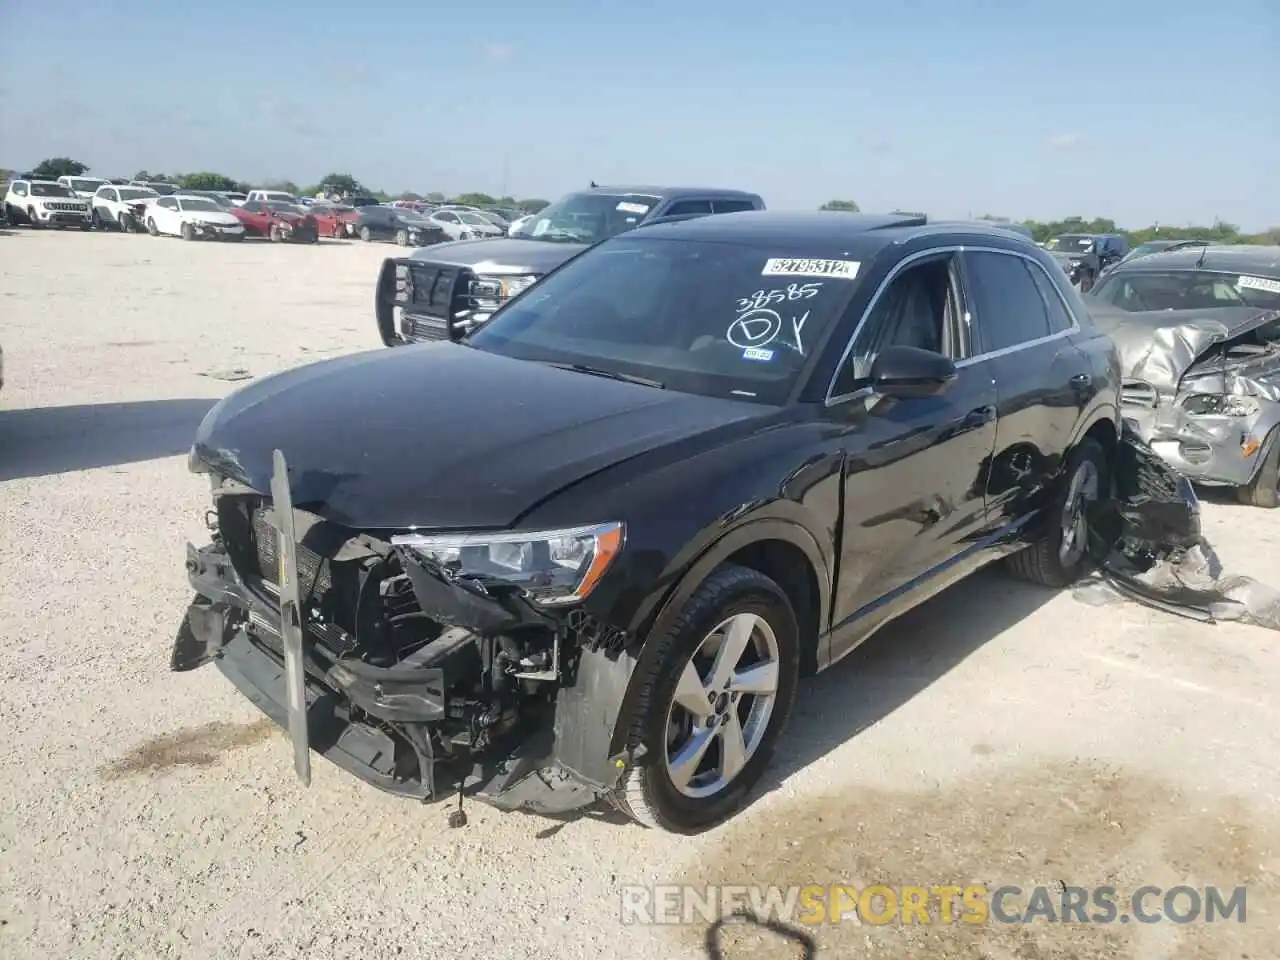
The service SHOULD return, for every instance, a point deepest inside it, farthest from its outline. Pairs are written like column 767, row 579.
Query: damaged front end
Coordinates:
column 401, row 664
column 1202, row 388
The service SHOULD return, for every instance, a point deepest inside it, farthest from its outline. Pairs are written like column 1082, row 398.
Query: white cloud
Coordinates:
column 498, row 51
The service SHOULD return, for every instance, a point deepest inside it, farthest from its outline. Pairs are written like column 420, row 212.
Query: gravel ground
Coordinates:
column 1001, row 733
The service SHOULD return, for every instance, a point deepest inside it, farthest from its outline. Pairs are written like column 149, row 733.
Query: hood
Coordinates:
column 502, row 254
column 72, row 199
column 441, row 435
column 220, row 218
column 1159, row 347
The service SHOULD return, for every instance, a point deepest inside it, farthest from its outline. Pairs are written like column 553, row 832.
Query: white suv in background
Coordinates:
column 271, row 196
column 192, row 218
column 83, row 187
column 45, row 203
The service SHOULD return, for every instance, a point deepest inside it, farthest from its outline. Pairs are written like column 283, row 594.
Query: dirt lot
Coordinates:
column 1001, row 734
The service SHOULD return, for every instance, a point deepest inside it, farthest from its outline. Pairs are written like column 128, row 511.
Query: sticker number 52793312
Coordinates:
column 1259, row 283
column 787, row 267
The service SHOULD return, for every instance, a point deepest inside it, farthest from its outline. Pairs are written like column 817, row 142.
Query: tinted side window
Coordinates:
column 683, row 208
column 1009, row 308
column 1060, row 318
column 168, row 203
column 732, row 206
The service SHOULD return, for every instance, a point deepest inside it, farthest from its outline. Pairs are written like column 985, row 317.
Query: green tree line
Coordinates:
column 1219, row 232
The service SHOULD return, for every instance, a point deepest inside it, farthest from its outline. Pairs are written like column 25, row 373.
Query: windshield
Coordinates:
column 137, row 193
column 587, row 217
column 50, row 190
column 1071, row 243
column 279, row 206
column 88, row 185
column 164, row 189
column 466, row 216
column 199, row 203
column 1188, row 290
column 717, row 319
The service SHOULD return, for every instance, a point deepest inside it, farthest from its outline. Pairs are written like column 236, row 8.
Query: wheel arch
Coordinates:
column 782, row 550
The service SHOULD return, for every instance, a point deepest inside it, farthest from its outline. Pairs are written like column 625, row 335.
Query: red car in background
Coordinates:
column 277, row 220
column 334, row 219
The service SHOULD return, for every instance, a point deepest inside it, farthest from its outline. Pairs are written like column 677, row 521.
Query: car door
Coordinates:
column 915, row 469
column 164, row 212
column 1022, row 329
column 103, row 202
column 255, row 216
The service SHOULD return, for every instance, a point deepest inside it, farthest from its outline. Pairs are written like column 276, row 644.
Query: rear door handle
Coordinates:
column 1081, row 380
column 980, row 416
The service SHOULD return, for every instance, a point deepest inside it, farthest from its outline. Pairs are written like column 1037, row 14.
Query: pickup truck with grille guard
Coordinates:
column 443, row 291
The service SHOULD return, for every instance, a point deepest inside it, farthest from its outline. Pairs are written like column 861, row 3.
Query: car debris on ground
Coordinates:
column 1149, row 546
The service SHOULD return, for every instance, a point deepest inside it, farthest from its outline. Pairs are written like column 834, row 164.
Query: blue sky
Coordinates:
column 1138, row 110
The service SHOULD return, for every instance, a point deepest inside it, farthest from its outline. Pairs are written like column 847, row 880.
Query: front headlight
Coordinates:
column 551, row 566
column 1219, row 405
column 501, row 288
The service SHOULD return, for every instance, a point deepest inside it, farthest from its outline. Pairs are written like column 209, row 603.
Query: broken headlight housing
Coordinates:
column 551, row 566
column 1219, row 405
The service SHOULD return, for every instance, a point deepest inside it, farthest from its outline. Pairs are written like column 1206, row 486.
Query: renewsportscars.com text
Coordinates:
column 814, row 905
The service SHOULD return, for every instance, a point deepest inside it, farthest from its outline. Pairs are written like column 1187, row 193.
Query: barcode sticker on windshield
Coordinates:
column 1259, row 283
column 778, row 267
column 627, row 206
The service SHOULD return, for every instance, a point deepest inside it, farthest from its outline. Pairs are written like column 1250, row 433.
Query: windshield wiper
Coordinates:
column 607, row 374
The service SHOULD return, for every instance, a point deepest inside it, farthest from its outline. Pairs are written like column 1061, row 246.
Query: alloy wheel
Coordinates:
column 722, row 704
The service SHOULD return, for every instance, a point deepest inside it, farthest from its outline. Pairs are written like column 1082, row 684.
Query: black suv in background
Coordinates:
column 588, row 551
column 1083, row 256
column 441, row 292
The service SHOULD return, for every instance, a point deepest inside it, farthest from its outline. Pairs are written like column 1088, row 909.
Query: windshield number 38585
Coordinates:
column 792, row 291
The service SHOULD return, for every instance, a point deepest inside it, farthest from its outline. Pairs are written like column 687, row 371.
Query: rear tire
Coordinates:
column 365, row 234
column 1060, row 558
column 152, row 228
column 1264, row 491
column 402, row 238
column 769, row 637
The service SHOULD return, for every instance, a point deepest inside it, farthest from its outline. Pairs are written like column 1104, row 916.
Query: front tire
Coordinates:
column 365, row 234
column 1264, row 491
column 712, row 703
column 402, row 238
column 188, row 232
column 1059, row 559
column 152, row 228
column 33, row 220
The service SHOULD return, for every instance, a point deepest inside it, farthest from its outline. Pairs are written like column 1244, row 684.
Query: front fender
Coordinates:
column 686, row 574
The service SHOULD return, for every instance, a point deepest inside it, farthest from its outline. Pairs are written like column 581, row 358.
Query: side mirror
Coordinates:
column 904, row 372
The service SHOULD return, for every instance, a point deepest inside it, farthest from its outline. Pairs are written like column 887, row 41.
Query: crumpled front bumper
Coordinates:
column 370, row 721
column 1209, row 449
